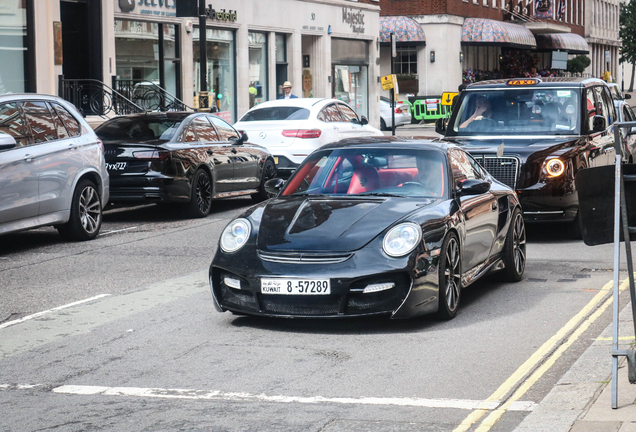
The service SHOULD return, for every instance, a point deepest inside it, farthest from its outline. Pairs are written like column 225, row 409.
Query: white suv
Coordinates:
column 52, row 169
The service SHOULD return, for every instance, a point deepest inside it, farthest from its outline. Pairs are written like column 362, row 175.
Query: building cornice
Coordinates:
column 438, row 19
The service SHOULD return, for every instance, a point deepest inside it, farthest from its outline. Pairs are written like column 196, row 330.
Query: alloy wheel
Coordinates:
column 90, row 210
column 452, row 274
column 519, row 244
column 203, row 192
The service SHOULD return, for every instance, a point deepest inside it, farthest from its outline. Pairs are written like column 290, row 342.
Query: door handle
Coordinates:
column 28, row 158
column 335, row 128
column 234, row 151
column 73, row 146
column 210, row 152
column 494, row 206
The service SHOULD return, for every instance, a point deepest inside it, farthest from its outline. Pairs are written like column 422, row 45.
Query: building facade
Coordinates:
column 601, row 32
column 325, row 48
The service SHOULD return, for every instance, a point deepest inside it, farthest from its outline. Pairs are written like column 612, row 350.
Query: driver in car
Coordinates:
column 430, row 175
column 482, row 110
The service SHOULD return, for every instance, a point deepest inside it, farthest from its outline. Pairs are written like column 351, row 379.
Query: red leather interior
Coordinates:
column 364, row 179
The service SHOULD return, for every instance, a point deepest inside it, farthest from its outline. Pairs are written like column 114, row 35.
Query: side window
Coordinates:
column 59, row 126
column 189, row 135
column 204, row 129
column 611, row 109
column 462, row 167
column 349, row 114
column 628, row 113
column 12, row 123
column 601, row 105
column 71, row 123
column 226, row 132
column 39, row 119
column 478, row 171
column 591, row 108
column 330, row 114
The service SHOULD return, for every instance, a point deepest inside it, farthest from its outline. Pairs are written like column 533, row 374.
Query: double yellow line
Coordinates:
column 540, row 362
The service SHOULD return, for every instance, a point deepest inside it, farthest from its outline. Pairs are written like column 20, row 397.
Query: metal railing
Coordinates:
column 93, row 97
column 149, row 96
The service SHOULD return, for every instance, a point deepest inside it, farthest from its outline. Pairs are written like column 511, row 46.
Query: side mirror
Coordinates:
column 473, row 187
column 599, row 123
column 440, row 126
column 242, row 138
column 7, row 142
column 627, row 96
column 364, row 120
column 274, row 186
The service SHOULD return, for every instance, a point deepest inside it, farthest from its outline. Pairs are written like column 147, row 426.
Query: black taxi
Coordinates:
column 534, row 134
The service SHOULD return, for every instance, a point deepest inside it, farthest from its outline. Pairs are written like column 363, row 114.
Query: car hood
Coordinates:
column 330, row 224
column 523, row 147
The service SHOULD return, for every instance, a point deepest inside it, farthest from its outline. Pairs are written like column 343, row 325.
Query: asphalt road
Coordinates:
column 120, row 334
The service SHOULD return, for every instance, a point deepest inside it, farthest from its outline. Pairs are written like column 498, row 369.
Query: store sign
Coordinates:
column 149, row 7
column 354, row 19
column 221, row 14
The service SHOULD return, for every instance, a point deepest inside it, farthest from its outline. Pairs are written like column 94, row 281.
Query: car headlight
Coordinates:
column 235, row 235
column 402, row 239
column 554, row 167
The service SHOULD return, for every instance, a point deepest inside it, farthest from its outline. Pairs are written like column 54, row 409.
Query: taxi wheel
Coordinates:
column 575, row 229
column 201, row 197
column 269, row 172
column 450, row 278
column 86, row 213
column 514, row 252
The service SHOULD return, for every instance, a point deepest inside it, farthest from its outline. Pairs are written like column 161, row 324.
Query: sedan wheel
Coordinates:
column 514, row 253
column 269, row 172
column 450, row 283
column 201, row 199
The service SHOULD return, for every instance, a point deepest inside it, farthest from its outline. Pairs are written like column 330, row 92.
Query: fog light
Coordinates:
column 232, row 283
column 378, row 287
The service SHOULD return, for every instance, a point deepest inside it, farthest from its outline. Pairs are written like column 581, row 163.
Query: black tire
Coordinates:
column 86, row 213
column 575, row 229
column 514, row 251
column 450, row 284
column 383, row 125
column 201, row 196
column 269, row 172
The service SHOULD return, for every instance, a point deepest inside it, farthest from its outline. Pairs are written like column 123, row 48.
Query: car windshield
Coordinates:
column 371, row 172
column 520, row 111
column 138, row 129
column 276, row 113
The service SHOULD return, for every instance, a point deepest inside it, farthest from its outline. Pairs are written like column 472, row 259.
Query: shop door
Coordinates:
column 349, row 84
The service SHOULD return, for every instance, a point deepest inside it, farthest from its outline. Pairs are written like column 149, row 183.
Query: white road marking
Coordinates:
column 116, row 231
column 39, row 314
column 230, row 396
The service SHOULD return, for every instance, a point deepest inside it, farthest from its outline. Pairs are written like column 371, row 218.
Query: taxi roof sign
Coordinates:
column 522, row 82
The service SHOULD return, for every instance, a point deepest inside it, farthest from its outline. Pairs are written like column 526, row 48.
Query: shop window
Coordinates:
column 350, row 86
column 221, row 67
column 15, row 52
column 406, row 60
column 258, row 68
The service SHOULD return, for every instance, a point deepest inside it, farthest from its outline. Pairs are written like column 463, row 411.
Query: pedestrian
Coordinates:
column 253, row 93
column 287, row 94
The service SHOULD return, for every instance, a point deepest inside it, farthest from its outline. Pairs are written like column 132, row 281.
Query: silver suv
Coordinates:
column 52, row 169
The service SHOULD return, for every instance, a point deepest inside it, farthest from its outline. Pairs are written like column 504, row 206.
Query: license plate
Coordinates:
column 293, row 286
column 275, row 160
column 117, row 166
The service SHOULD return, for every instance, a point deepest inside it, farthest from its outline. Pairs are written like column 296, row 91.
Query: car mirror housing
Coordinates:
column 440, row 126
column 473, row 187
column 364, row 120
column 7, row 142
column 274, row 185
column 599, row 123
column 627, row 96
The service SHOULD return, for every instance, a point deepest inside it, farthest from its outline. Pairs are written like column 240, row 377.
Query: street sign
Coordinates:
column 387, row 82
column 447, row 98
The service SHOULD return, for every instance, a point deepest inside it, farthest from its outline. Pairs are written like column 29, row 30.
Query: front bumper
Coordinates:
column 415, row 290
column 549, row 202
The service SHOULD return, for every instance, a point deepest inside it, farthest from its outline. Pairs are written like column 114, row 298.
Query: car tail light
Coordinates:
column 101, row 145
column 302, row 133
column 151, row 155
column 398, row 110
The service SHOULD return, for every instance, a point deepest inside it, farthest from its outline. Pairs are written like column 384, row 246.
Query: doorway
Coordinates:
column 81, row 39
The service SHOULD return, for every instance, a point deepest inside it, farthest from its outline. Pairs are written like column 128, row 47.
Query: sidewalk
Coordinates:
column 581, row 400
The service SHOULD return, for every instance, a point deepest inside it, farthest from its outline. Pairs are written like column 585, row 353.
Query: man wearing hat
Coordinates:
column 287, row 94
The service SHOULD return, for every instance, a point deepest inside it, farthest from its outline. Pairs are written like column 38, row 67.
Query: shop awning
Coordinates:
column 481, row 31
column 569, row 42
column 407, row 30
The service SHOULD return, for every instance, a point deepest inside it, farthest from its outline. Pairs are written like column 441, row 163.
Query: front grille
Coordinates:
column 301, row 305
column 304, row 258
column 504, row 169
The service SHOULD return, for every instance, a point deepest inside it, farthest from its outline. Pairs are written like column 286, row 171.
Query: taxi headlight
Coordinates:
column 554, row 167
column 402, row 239
column 235, row 235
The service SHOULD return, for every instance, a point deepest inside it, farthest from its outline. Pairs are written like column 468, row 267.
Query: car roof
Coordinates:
column 297, row 102
column 19, row 96
column 168, row 115
column 541, row 82
column 418, row 143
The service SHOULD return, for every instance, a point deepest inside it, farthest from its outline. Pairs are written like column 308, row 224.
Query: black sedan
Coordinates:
column 534, row 135
column 182, row 157
column 370, row 226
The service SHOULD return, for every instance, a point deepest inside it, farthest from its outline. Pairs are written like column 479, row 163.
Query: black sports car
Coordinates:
column 534, row 135
column 182, row 157
column 370, row 226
